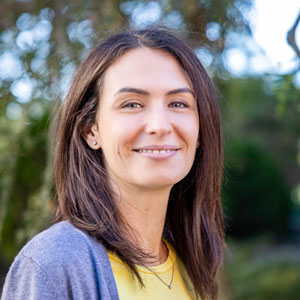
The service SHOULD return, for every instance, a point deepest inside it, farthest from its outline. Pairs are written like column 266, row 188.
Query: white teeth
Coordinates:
column 154, row 151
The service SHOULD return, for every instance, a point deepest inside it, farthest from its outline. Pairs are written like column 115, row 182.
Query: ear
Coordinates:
column 92, row 137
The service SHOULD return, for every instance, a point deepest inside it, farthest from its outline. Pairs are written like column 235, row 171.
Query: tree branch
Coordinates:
column 291, row 36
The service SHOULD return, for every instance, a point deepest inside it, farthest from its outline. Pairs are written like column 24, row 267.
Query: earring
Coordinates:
column 94, row 143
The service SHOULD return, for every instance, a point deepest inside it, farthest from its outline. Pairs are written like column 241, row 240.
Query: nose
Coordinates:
column 158, row 121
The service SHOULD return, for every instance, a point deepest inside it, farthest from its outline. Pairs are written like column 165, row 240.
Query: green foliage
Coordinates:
column 27, row 179
column 260, row 157
column 287, row 94
column 255, row 196
column 262, row 272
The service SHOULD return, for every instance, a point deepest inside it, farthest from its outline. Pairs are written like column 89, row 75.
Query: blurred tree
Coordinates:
column 259, row 271
column 255, row 196
column 291, row 36
column 260, row 156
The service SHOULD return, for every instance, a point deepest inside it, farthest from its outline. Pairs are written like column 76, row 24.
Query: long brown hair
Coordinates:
column 194, row 222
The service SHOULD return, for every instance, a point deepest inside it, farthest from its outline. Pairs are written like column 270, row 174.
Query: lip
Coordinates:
column 157, row 147
column 168, row 151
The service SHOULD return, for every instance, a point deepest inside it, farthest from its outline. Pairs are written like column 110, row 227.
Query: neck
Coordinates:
column 145, row 212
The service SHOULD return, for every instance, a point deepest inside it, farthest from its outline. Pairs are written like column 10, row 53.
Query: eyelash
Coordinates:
column 131, row 105
column 180, row 104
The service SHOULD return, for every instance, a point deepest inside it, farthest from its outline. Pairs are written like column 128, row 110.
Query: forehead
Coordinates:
column 146, row 68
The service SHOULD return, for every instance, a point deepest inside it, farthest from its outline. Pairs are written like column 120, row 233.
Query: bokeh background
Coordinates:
column 244, row 45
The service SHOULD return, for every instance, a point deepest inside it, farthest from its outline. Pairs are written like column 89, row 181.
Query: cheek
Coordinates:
column 120, row 134
column 194, row 128
column 189, row 130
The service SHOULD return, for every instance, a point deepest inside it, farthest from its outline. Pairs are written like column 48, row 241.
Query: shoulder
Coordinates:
column 58, row 262
column 62, row 235
column 61, row 243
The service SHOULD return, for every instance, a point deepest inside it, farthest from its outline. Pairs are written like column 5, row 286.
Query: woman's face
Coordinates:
column 147, row 124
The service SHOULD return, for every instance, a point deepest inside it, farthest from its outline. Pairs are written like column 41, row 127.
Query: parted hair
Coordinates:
column 194, row 220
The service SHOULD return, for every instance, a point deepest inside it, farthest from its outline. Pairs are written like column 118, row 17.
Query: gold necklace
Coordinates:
column 173, row 268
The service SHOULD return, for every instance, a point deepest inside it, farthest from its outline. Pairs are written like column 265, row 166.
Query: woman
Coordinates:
column 138, row 174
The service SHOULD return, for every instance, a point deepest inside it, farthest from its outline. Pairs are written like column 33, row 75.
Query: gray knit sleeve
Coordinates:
column 27, row 280
column 61, row 263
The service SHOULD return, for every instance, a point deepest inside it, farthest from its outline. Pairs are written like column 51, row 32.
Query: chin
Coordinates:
column 159, row 181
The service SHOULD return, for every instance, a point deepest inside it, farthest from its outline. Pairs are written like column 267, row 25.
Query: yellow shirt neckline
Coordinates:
column 159, row 269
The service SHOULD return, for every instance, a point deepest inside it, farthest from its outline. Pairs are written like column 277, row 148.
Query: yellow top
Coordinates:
column 129, row 287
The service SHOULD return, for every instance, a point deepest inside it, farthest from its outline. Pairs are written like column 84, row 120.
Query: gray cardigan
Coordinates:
column 61, row 263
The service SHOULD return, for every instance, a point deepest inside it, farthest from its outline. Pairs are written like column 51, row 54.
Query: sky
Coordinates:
column 270, row 21
column 274, row 18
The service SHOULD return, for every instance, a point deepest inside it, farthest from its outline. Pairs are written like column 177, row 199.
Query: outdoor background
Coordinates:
column 244, row 46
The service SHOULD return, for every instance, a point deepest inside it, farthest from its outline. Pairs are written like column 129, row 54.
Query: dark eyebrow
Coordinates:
column 182, row 90
column 143, row 92
column 132, row 90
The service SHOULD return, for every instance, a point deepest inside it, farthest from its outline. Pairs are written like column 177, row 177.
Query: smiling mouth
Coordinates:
column 155, row 151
